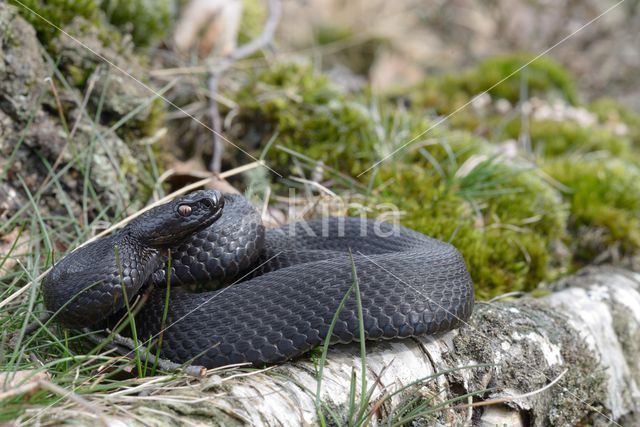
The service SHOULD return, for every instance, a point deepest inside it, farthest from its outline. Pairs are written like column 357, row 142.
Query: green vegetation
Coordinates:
column 520, row 215
column 146, row 21
column 502, row 219
column 309, row 114
column 504, row 215
column 543, row 77
column 357, row 58
column 605, row 205
column 253, row 16
column 512, row 222
column 100, row 24
column 618, row 117
column 551, row 138
column 57, row 12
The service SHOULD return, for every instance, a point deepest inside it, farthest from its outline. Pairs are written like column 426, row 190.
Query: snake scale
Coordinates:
column 271, row 295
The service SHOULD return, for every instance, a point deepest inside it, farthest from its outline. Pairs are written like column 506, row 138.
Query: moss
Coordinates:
column 252, row 21
column 617, row 117
column 552, row 138
column 543, row 76
column 348, row 133
column 309, row 116
column 605, row 204
column 505, row 234
column 505, row 219
column 147, row 21
column 359, row 58
column 56, row 12
column 513, row 227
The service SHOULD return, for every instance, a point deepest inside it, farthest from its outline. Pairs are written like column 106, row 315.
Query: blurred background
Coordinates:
column 397, row 43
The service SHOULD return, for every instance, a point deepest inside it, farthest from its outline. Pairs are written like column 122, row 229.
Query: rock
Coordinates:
column 22, row 69
column 113, row 93
column 96, row 170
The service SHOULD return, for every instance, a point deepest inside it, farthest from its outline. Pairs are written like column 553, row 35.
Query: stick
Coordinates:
column 125, row 346
column 216, row 71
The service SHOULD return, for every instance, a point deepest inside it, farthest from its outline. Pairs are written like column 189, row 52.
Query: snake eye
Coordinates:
column 184, row 210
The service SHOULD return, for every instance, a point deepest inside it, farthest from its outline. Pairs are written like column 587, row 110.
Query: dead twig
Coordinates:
column 512, row 398
column 126, row 347
column 217, row 69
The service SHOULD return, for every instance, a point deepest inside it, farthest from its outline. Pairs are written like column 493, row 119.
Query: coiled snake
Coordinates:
column 285, row 284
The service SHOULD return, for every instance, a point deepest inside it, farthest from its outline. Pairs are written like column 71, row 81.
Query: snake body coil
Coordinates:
column 286, row 283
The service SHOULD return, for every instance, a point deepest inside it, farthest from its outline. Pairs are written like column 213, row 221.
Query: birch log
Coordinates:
column 586, row 334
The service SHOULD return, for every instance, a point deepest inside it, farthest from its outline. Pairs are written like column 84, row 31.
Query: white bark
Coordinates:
column 568, row 358
column 589, row 327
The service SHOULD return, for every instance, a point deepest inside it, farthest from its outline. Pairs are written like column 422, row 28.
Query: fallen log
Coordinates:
column 569, row 358
column 565, row 359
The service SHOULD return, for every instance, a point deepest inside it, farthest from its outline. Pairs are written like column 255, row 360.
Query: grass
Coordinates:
column 353, row 409
column 51, row 359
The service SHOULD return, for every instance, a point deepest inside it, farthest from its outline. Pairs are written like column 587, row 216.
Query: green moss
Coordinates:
column 148, row 21
column 505, row 233
column 357, row 57
column 347, row 133
column 543, row 76
column 605, row 205
column 309, row 116
column 613, row 114
column 552, row 138
column 252, row 21
column 510, row 223
column 56, row 12
column 505, row 219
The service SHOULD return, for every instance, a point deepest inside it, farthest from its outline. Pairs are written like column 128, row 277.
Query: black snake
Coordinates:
column 284, row 285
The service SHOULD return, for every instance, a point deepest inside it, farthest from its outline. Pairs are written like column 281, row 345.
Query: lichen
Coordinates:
column 21, row 66
column 113, row 95
column 106, row 171
column 520, row 327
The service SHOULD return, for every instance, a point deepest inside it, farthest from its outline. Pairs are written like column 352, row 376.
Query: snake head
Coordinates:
column 172, row 222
